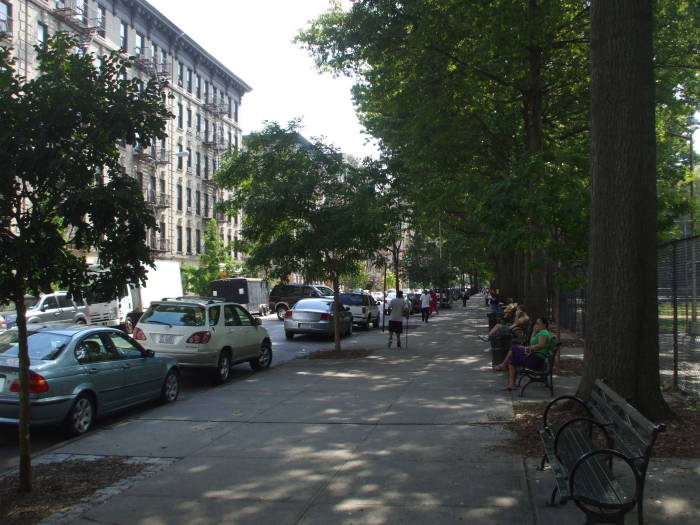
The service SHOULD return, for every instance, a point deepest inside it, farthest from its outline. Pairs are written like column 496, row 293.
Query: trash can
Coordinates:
column 499, row 348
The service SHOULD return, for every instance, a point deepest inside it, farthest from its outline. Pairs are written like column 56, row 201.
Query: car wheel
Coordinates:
column 366, row 324
column 81, row 415
column 80, row 321
column 171, row 387
column 223, row 369
column 264, row 359
column 281, row 310
column 349, row 332
column 289, row 335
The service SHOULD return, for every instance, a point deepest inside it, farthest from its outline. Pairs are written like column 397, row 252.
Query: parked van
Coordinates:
column 56, row 307
column 250, row 293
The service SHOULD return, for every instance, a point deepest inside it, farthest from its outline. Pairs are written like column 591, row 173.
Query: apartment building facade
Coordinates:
column 175, row 174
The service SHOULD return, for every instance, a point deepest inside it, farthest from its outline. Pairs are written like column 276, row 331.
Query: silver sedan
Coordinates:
column 315, row 316
column 80, row 372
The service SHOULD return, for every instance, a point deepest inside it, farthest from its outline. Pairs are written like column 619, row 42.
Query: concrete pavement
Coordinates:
column 400, row 436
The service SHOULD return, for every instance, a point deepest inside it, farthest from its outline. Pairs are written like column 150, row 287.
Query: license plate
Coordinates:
column 307, row 325
column 167, row 339
column 2, row 384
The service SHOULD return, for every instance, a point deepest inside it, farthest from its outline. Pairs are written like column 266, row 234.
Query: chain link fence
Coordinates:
column 679, row 310
column 679, row 313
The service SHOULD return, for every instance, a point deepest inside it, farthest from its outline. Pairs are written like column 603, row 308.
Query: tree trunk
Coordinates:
column 622, row 330
column 336, row 312
column 24, row 435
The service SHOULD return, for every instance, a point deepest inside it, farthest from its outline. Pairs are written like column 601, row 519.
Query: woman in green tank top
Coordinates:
column 532, row 356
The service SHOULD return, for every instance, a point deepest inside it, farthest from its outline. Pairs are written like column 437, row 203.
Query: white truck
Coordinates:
column 163, row 281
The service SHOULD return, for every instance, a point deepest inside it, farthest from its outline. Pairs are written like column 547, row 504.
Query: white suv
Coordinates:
column 363, row 307
column 205, row 332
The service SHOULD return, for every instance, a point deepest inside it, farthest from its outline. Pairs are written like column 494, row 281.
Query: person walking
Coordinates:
column 433, row 302
column 465, row 298
column 399, row 310
column 424, row 306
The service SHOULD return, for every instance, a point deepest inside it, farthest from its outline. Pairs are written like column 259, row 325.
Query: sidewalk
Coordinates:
column 400, row 436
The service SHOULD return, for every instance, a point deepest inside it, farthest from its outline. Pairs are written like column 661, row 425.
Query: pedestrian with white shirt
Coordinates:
column 399, row 310
column 424, row 306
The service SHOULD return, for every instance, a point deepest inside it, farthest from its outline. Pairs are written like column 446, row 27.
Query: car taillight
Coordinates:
column 37, row 384
column 139, row 335
column 288, row 314
column 199, row 338
column 325, row 317
column 364, row 310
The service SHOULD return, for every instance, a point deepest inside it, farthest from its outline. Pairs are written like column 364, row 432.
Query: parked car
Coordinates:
column 78, row 373
column 56, row 307
column 363, row 308
column 205, row 332
column 378, row 296
column 284, row 296
column 315, row 316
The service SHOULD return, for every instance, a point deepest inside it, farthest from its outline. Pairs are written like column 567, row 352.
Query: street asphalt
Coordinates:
column 404, row 435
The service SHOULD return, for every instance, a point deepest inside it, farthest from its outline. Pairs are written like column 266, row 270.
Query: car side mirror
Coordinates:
column 44, row 307
column 258, row 321
column 347, row 308
column 149, row 353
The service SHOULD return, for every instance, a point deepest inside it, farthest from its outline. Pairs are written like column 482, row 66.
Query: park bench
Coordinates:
column 527, row 376
column 600, row 459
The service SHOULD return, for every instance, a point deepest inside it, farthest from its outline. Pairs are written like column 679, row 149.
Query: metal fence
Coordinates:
column 679, row 326
column 679, row 313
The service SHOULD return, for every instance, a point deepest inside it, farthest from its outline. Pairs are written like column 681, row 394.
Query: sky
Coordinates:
column 253, row 39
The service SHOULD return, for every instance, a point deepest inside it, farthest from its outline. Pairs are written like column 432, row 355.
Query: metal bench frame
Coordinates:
column 573, row 456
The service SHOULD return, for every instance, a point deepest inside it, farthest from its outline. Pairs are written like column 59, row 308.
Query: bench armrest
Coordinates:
column 588, row 420
column 606, row 452
column 564, row 398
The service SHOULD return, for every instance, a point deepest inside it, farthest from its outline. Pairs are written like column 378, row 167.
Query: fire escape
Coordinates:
column 75, row 14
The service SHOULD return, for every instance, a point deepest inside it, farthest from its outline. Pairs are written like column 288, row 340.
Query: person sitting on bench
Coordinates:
column 532, row 357
column 517, row 329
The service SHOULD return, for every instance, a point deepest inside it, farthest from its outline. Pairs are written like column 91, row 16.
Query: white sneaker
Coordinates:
column 484, row 338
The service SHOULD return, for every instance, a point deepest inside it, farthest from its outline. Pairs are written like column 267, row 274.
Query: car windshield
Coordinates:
column 325, row 290
column 313, row 304
column 42, row 345
column 174, row 315
column 351, row 299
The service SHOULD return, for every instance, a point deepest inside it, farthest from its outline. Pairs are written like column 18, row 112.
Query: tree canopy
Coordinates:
column 64, row 191
column 305, row 210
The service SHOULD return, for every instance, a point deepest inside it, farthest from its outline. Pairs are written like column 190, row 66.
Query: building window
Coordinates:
column 198, row 86
column 42, row 32
column 154, row 53
column 179, row 197
column 188, row 239
column 162, row 186
column 188, row 198
column 189, row 157
column 123, row 36
column 189, row 80
column 206, row 91
column 235, row 111
column 197, row 205
column 179, row 156
column 179, row 116
column 235, row 142
column 206, row 130
column 198, row 122
column 5, row 18
column 189, row 118
column 198, row 164
column 139, row 47
column 230, row 139
column 214, row 96
column 229, row 107
column 180, row 74
column 179, row 239
column 206, row 166
column 163, row 59
column 101, row 21
column 206, row 205
column 198, row 241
